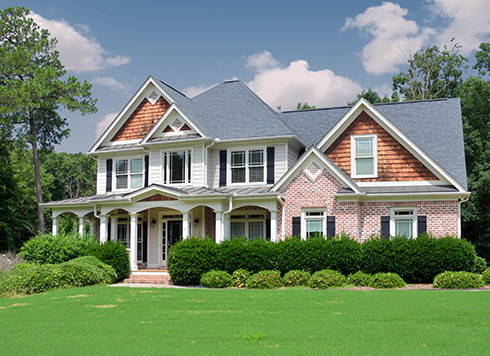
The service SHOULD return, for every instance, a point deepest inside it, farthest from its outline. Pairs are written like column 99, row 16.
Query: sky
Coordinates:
column 319, row 52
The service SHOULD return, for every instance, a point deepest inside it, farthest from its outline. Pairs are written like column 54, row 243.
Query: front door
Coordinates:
column 171, row 234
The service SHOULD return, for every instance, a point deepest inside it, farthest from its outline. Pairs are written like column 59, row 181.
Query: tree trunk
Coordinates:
column 37, row 173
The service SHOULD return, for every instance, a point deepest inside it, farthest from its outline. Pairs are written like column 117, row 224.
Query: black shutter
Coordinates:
column 108, row 182
column 385, row 227
column 145, row 241
column 270, row 165
column 296, row 226
column 222, row 168
column 268, row 229
column 421, row 224
column 147, row 170
column 331, row 226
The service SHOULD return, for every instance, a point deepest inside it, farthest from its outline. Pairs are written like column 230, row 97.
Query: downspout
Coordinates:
column 283, row 212
column 230, row 208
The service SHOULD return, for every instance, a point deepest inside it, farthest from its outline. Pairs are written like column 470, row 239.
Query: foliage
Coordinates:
column 486, row 276
column 254, row 255
column 239, row 278
column 113, row 254
column 295, row 278
column 264, row 280
column 417, row 260
column 47, row 248
column 359, row 279
column 304, row 106
column 387, row 280
column 372, row 96
column 216, row 279
column 33, row 88
column 8, row 260
column 327, row 278
column 458, row 280
column 27, row 278
column 479, row 265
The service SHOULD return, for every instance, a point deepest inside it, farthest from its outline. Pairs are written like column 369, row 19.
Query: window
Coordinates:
column 122, row 231
column 314, row 223
column 364, row 156
column 139, row 241
column 129, row 173
column 403, row 222
column 177, row 167
column 247, row 166
column 251, row 226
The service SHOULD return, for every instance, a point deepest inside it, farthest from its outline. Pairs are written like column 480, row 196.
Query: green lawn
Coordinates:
column 130, row 321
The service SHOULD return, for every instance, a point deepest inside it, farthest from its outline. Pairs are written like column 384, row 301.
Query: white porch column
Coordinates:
column 133, row 244
column 185, row 225
column 103, row 229
column 218, row 234
column 274, row 225
column 56, row 224
column 113, row 228
column 81, row 222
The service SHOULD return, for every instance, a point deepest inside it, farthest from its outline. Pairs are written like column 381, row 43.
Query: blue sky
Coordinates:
column 320, row 52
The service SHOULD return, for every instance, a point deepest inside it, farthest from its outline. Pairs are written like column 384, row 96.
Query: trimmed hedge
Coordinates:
column 327, row 279
column 115, row 255
column 458, row 280
column 387, row 280
column 486, row 276
column 28, row 278
column 264, row 280
column 216, row 279
column 239, row 278
column 360, row 279
column 479, row 265
column 296, row 278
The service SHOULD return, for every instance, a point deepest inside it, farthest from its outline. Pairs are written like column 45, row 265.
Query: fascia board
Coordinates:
column 150, row 190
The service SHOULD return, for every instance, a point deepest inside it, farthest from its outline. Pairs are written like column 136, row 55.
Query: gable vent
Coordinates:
column 313, row 170
column 177, row 124
column 153, row 97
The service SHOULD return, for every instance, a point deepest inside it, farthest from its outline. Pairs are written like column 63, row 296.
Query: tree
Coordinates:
column 32, row 88
column 431, row 74
column 304, row 106
column 372, row 96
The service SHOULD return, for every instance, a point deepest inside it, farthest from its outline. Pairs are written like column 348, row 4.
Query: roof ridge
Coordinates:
column 171, row 87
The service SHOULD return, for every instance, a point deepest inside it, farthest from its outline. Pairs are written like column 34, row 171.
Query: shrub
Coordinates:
column 189, row 259
column 479, row 265
column 327, row 278
column 216, row 279
column 387, row 280
column 486, row 276
column 8, row 260
column 458, row 280
column 360, row 279
column 254, row 255
column 239, row 278
column 56, row 249
column 115, row 255
column 264, row 280
column 296, row 278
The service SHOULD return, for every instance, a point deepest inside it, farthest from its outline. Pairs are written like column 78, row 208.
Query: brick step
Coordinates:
column 148, row 278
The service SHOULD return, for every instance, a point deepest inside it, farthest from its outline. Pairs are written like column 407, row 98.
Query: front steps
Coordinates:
column 156, row 276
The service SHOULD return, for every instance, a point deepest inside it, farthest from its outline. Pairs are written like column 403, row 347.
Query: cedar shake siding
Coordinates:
column 395, row 163
column 141, row 120
column 158, row 197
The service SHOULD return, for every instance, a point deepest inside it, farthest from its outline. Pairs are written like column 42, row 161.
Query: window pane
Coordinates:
column 238, row 159
column 136, row 181
column 364, row 166
column 364, row 147
column 177, row 167
column 121, row 182
column 140, row 242
column 403, row 227
column 137, row 165
column 256, row 174
column 255, row 230
column 256, row 157
column 314, row 227
column 121, row 166
column 237, row 229
column 122, row 235
column 238, row 175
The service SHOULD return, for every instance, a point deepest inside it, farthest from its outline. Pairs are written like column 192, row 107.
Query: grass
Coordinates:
column 128, row 321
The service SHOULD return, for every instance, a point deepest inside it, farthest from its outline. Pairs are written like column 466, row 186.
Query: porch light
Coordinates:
column 153, row 222
column 196, row 221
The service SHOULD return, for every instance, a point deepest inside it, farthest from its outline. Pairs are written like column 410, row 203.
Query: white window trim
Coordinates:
column 114, row 174
column 246, row 220
column 393, row 217
column 247, row 166
column 304, row 218
column 353, row 164
column 188, row 175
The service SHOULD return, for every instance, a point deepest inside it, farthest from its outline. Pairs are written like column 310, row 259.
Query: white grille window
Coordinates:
column 364, row 156
column 403, row 222
column 249, row 225
column 247, row 166
column 129, row 173
column 314, row 222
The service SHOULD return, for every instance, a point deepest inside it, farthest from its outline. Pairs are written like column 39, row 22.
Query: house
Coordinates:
column 225, row 164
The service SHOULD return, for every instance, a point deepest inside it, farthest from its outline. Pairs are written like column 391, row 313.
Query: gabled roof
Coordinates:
column 435, row 126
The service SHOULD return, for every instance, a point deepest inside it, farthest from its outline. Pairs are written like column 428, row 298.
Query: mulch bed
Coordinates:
column 416, row 287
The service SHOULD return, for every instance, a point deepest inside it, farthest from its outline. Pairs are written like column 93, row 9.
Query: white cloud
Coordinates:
column 104, row 123
column 78, row 53
column 111, row 83
column 393, row 37
column 285, row 87
column 196, row 90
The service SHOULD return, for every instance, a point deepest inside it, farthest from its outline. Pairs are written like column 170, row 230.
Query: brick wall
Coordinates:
column 209, row 223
